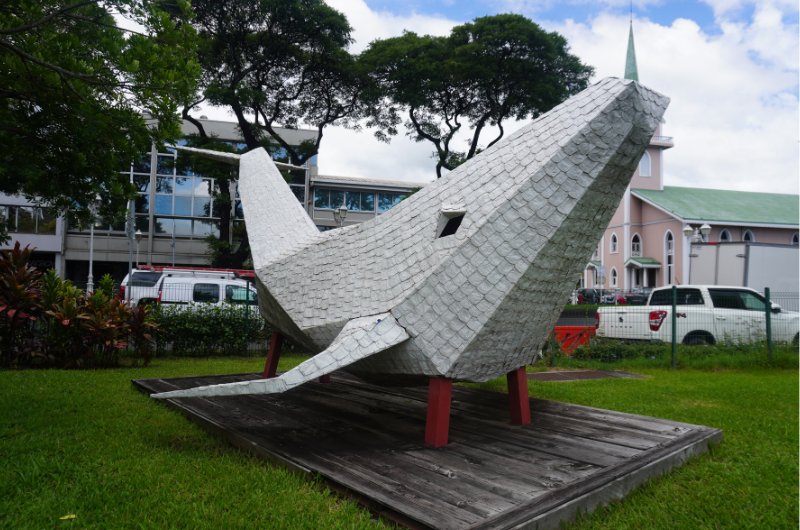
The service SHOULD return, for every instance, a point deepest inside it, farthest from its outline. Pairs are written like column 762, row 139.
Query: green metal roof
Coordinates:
column 631, row 70
column 745, row 207
column 647, row 263
column 597, row 263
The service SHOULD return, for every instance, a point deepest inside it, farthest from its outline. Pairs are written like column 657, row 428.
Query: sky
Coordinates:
column 730, row 67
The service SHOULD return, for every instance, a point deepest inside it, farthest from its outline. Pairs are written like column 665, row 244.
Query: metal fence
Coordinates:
column 734, row 318
column 217, row 317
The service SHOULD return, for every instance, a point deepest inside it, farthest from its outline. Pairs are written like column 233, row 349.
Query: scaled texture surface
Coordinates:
column 480, row 302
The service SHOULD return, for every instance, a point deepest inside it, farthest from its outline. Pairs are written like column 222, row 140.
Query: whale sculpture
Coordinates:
column 465, row 279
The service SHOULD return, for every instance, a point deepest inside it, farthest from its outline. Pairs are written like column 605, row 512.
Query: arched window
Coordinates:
column 636, row 246
column 613, row 277
column 614, row 244
column 795, row 239
column 724, row 235
column 748, row 237
column 644, row 165
column 669, row 277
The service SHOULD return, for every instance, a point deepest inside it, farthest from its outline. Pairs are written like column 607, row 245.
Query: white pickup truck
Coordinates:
column 706, row 314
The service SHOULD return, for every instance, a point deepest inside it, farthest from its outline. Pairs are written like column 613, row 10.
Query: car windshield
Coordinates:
column 240, row 295
column 145, row 278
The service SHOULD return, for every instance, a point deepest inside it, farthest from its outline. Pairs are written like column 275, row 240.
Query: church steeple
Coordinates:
column 631, row 71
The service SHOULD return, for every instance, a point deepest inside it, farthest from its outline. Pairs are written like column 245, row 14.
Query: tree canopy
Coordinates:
column 484, row 73
column 276, row 63
column 81, row 97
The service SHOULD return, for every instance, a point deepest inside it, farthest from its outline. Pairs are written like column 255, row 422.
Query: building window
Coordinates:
column 28, row 220
column 724, row 235
column 670, row 251
column 388, row 200
column 358, row 201
column 644, row 165
column 636, row 246
column 748, row 237
column 795, row 239
column 614, row 244
column 613, row 277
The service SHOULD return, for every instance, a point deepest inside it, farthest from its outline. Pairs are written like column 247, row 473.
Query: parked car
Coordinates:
column 637, row 296
column 588, row 296
column 186, row 287
column 609, row 296
column 706, row 314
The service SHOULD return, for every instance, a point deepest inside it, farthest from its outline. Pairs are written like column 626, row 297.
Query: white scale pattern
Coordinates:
column 481, row 302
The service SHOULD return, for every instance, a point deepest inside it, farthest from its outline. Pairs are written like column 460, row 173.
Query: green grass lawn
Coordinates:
column 86, row 443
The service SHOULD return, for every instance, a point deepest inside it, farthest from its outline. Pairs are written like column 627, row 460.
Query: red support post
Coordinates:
column 273, row 356
column 518, row 396
column 438, row 420
column 325, row 378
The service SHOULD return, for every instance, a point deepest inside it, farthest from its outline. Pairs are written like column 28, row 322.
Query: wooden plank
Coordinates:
column 533, row 456
column 343, row 436
column 493, row 475
column 293, row 436
column 470, row 400
column 595, row 452
column 577, row 451
column 543, row 479
column 323, row 438
column 517, row 516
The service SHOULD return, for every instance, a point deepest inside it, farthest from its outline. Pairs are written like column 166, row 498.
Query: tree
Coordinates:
column 80, row 96
column 281, row 63
column 484, row 73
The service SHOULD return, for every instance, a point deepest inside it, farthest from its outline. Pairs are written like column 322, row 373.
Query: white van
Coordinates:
column 186, row 287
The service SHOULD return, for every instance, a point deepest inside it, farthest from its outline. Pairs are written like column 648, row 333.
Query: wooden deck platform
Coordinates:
column 367, row 443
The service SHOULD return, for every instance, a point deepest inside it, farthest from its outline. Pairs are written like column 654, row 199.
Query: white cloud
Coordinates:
column 734, row 110
column 734, row 116
column 348, row 153
column 369, row 25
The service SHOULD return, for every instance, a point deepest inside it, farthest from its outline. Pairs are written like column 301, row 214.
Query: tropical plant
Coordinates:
column 19, row 306
column 46, row 321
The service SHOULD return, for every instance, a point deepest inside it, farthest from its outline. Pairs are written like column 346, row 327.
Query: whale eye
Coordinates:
column 451, row 226
column 450, row 217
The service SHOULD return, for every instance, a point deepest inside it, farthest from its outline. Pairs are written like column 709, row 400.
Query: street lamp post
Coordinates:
column 705, row 230
column 90, row 278
column 138, row 237
column 339, row 215
column 130, row 243
column 698, row 235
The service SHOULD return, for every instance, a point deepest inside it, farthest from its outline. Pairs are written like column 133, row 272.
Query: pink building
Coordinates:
column 644, row 244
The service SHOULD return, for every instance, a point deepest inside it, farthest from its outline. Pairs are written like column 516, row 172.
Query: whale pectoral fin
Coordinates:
column 360, row 338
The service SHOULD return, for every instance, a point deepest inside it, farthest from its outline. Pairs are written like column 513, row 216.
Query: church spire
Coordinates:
column 631, row 71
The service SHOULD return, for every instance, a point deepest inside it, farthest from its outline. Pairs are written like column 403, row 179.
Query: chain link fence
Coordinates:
column 682, row 322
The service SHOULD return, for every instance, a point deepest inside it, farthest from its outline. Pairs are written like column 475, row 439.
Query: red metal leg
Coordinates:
column 518, row 396
column 325, row 379
column 438, row 420
column 273, row 356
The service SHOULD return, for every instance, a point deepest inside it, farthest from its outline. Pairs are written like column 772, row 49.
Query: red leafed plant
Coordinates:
column 20, row 306
column 47, row 321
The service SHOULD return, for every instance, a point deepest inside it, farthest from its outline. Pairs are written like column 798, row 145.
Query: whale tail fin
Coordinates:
column 276, row 221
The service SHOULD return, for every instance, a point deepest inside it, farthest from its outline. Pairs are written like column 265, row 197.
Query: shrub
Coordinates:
column 20, row 307
column 207, row 329
column 46, row 321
